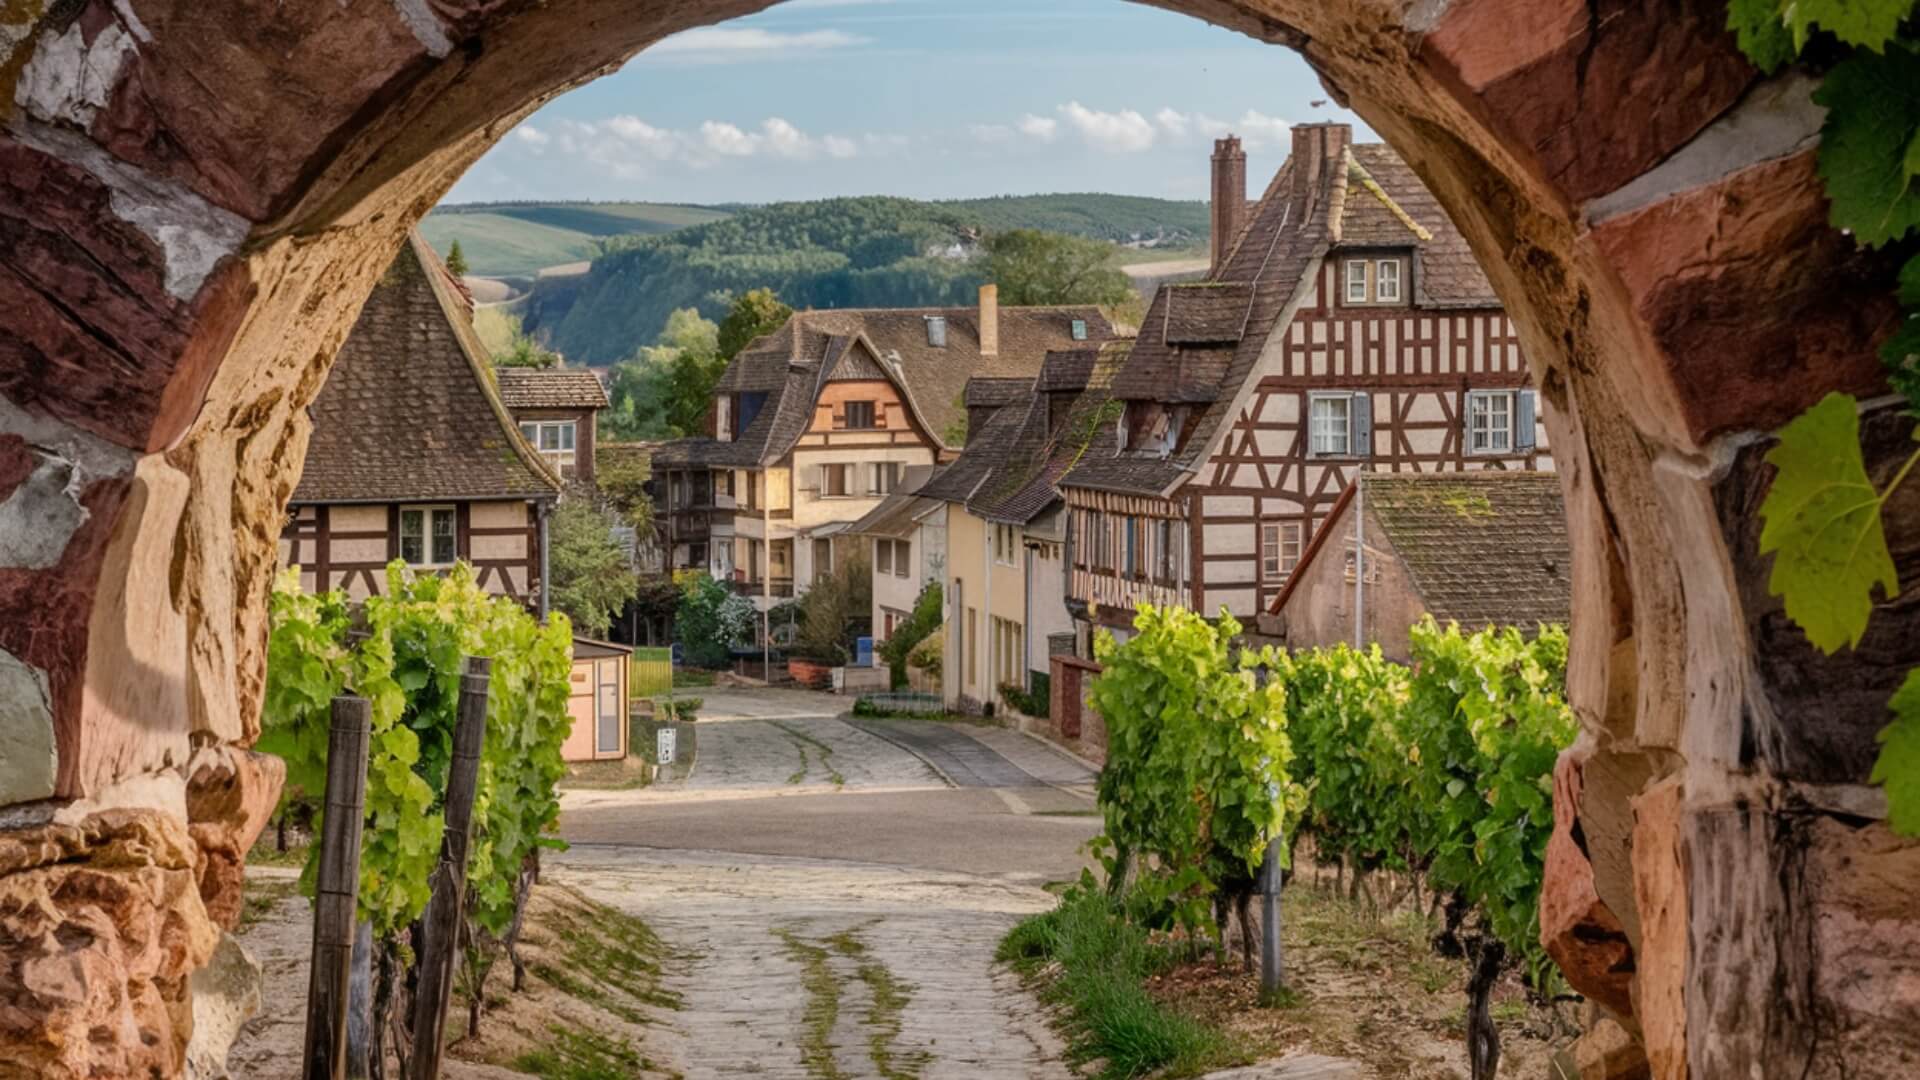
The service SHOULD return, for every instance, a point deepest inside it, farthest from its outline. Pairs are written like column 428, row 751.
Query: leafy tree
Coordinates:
column 1033, row 267
column 456, row 260
column 924, row 620
column 753, row 313
column 525, row 352
column 833, row 605
column 711, row 619
column 623, row 484
column 591, row 578
column 665, row 390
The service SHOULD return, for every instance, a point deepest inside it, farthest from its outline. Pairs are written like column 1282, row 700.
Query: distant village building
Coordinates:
column 1344, row 326
column 908, row 534
column 1480, row 549
column 413, row 454
column 556, row 409
column 816, row 423
column 1006, row 520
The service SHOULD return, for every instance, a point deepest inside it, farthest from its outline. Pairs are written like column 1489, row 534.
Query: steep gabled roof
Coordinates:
column 1026, row 481
column 1200, row 344
column 986, row 448
column 1481, row 548
column 931, row 377
column 411, row 410
column 550, row 388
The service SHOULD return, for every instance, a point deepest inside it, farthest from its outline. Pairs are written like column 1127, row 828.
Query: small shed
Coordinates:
column 598, row 702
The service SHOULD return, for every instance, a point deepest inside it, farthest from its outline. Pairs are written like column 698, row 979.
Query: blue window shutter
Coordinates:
column 1360, row 426
column 1524, row 408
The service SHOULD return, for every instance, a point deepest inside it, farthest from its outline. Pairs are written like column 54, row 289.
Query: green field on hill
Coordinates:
column 519, row 239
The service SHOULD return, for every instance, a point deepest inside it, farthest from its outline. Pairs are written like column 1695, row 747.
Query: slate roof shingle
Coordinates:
column 1482, row 548
column 550, row 388
column 410, row 410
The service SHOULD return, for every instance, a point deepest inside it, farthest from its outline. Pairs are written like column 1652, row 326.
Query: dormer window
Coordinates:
column 1372, row 281
column 937, row 331
column 1154, row 428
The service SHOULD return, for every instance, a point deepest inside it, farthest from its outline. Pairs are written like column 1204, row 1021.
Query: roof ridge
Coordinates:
column 1355, row 169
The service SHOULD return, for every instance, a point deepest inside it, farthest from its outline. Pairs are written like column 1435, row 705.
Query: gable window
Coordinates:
column 1356, row 281
column 1386, row 281
column 427, row 536
column 1490, row 421
column 859, row 415
column 1279, row 549
column 1373, row 281
column 554, row 440
column 1330, row 421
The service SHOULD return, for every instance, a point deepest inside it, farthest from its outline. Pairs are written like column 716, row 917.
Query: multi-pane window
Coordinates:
column 1356, row 281
column 859, row 414
column 1279, row 549
column 883, row 477
column 1329, row 423
column 1490, row 421
column 1373, row 281
column 427, row 536
column 1386, row 281
column 553, row 438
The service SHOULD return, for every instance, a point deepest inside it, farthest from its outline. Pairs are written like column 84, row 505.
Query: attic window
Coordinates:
column 937, row 331
column 1079, row 329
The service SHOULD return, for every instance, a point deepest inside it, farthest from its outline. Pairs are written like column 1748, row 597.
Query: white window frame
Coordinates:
column 1348, row 292
column 1481, row 422
column 1315, row 448
column 1279, row 549
column 430, row 512
column 565, row 439
column 1381, row 279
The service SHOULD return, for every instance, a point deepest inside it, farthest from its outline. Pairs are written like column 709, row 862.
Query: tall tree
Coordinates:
column 751, row 314
column 456, row 260
column 665, row 390
column 1034, row 267
column 591, row 578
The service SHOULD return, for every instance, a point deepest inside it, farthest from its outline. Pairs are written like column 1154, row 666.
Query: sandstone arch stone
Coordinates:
column 196, row 196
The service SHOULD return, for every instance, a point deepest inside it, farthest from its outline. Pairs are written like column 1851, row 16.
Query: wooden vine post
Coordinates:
column 1272, row 969
column 440, row 938
column 337, row 891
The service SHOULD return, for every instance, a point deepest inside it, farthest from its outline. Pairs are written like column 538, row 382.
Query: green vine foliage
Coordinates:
column 1196, row 780
column 1822, row 516
column 404, row 655
column 1444, row 767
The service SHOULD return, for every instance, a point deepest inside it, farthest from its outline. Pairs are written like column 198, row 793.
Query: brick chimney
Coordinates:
column 989, row 320
column 1229, row 196
column 1314, row 145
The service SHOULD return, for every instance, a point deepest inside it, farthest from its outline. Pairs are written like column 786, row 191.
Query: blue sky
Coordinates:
column 920, row 98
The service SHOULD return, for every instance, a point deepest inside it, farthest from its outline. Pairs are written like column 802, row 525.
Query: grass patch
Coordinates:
column 266, row 853
column 692, row 679
column 801, row 741
column 890, row 996
column 1091, row 963
column 607, row 958
column 823, row 1004
column 623, row 774
column 262, row 896
column 578, row 1054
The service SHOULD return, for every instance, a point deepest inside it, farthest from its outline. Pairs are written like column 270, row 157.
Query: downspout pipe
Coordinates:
column 544, row 511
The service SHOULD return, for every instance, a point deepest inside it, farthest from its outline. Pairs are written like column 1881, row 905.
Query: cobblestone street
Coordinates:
column 837, row 889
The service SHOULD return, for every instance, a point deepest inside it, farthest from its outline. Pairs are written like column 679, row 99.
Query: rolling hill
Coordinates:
column 515, row 240
column 851, row 252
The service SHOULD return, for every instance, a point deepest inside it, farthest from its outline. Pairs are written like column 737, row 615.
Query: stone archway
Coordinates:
column 196, row 197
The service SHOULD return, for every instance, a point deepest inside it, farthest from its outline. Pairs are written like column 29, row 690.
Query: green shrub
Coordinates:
column 922, row 622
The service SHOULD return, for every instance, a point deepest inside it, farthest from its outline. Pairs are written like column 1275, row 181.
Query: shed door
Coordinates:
column 607, row 672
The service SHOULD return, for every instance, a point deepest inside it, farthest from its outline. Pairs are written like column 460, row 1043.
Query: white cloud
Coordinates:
column 1123, row 132
column 1040, row 127
column 1258, row 129
column 629, row 148
column 838, row 146
column 727, row 139
column 532, row 137
column 715, row 44
column 1172, row 121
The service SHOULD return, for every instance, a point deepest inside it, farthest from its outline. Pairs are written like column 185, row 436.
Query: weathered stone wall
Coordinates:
column 196, row 196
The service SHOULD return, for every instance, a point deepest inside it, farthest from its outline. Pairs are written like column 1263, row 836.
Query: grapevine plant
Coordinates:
column 403, row 652
column 1822, row 520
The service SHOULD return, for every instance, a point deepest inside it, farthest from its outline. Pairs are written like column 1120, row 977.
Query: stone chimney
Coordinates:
column 989, row 320
column 1314, row 145
column 1229, row 196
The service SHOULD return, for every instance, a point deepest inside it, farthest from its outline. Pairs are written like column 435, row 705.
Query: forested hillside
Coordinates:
column 856, row 252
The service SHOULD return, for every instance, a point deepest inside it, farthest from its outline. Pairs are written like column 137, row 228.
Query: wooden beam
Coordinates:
column 337, row 891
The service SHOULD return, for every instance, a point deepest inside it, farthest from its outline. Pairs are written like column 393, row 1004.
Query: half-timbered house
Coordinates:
column 557, row 409
column 413, row 455
column 1344, row 326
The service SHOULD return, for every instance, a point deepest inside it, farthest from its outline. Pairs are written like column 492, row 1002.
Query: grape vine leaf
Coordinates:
column 1822, row 525
column 1873, row 115
column 1898, row 767
column 1869, row 24
column 1761, row 32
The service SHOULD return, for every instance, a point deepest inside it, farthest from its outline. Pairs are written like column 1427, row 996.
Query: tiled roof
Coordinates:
column 1026, row 481
column 1481, row 548
column 1190, row 353
column 693, row 452
column 986, row 448
column 992, row 393
column 933, row 377
column 551, row 388
column 410, row 409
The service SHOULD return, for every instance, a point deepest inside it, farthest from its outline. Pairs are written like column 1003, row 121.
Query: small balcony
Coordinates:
column 781, row 588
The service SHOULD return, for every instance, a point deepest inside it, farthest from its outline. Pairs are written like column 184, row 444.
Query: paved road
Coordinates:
column 839, row 900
